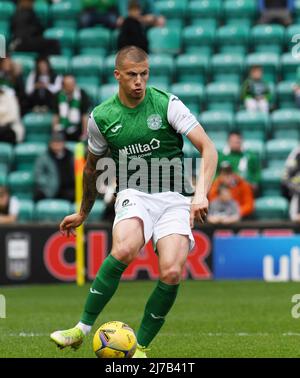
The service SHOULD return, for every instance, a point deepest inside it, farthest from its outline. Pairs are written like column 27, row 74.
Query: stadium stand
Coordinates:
column 203, row 54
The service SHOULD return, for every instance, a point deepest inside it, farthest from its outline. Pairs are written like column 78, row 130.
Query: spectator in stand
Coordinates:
column 54, row 171
column 244, row 163
column 224, row 209
column 42, row 85
column 276, row 11
column 240, row 189
column 27, row 32
column 71, row 110
column 99, row 12
column 149, row 17
column 11, row 76
column 256, row 91
column 291, row 183
column 11, row 128
column 132, row 32
column 9, row 207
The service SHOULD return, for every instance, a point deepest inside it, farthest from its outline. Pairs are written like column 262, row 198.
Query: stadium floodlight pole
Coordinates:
column 79, row 165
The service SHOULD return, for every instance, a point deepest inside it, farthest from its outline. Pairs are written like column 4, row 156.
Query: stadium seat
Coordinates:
column 66, row 38
column 203, row 12
column 65, row 14
column 21, row 184
column 289, row 66
column 173, row 10
column 192, row 68
column 26, row 153
column 97, row 212
column 92, row 90
column 277, row 151
column 286, row 123
column 252, row 125
column 285, row 95
column 270, row 63
column 216, row 123
column 192, row 95
column 87, row 69
column 52, row 210
column 270, row 181
column 165, row 40
column 233, row 39
column 198, row 40
column 268, row 38
column 3, row 178
column 255, row 145
column 94, row 41
column 60, row 64
column 26, row 211
column 7, row 9
column 38, row 127
column 108, row 69
column 271, row 207
column 107, row 91
column 240, row 12
column 6, row 156
column 162, row 69
column 41, row 9
column 227, row 68
column 26, row 61
column 222, row 96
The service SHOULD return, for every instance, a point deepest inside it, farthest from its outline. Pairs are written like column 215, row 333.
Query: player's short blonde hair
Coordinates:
column 132, row 53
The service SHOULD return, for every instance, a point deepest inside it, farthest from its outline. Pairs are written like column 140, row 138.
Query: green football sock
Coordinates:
column 103, row 288
column 157, row 307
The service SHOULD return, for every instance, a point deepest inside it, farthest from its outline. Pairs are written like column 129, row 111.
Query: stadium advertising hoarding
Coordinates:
column 33, row 254
column 269, row 258
column 40, row 254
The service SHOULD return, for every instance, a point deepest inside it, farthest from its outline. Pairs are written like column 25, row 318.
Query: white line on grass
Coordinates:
column 209, row 334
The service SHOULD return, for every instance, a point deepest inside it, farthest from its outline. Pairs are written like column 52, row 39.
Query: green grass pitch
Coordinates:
column 209, row 319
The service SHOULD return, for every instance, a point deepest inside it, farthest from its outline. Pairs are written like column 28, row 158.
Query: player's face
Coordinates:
column 133, row 78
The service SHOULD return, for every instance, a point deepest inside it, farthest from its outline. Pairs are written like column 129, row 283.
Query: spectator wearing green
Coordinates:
column 245, row 163
column 256, row 92
column 99, row 12
column 149, row 17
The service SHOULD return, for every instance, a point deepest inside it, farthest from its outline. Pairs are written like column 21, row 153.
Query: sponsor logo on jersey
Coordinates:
column 116, row 128
column 138, row 148
column 154, row 122
column 125, row 203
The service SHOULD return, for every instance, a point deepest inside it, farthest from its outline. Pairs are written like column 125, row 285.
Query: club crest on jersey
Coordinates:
column 154, row 122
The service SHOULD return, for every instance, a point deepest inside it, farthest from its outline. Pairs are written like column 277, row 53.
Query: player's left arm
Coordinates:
column 185, row 123
column 209, row 161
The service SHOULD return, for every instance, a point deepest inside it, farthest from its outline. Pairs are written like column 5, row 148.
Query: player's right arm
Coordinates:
column 97, row 148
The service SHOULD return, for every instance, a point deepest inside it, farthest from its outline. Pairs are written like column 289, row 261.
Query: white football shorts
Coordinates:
column 162, row 214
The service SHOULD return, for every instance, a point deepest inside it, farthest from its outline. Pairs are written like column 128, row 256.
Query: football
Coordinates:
column 114, row 340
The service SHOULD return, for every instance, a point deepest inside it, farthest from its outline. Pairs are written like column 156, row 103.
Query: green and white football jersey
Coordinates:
column 148, row 137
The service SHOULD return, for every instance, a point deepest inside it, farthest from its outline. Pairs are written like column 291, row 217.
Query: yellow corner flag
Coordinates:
column 79, row 166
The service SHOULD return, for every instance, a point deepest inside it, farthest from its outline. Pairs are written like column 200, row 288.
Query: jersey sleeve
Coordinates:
column 96, row 142
column 180, row 117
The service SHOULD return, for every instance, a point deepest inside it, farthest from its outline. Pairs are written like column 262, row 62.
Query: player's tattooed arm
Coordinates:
column 90, row 192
